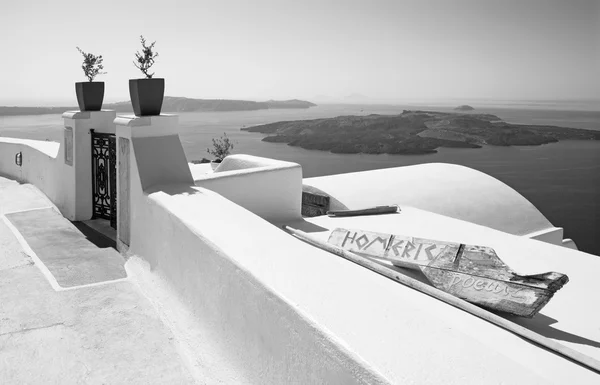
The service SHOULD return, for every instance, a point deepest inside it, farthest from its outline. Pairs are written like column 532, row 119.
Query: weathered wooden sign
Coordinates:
column 406, row 280
column 314, row 205
column 473, row 273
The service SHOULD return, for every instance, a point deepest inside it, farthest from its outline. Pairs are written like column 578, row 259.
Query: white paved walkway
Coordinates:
column 104, row 334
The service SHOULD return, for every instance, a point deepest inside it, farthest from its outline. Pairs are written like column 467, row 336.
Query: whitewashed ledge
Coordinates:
column 77, row 114
column 281, row 311
column 148, row 126
column 47, row 147
column 267, row 187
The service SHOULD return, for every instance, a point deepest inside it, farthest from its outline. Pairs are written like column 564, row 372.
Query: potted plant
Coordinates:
column 146, row 94
column 90, row 94
column 221, row 148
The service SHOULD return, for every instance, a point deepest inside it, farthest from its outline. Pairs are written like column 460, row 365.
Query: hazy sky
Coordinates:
column 397, row 50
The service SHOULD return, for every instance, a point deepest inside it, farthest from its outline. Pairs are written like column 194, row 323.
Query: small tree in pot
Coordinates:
column 146, row 94
column 221, row 148
column 90, row 94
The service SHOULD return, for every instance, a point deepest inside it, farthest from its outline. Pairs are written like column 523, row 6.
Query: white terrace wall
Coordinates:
column 244, row 325
column 61, row 170
column 272, row 189
column 210, row 250
column 273, row 310
column 40, row 167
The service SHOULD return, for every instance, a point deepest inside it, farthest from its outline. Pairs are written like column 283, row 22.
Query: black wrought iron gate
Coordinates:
column 104, row 178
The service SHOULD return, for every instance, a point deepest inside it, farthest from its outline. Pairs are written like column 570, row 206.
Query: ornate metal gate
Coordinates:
column 104, row 179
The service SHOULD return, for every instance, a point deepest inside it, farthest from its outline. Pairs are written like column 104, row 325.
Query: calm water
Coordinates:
column 561, row 179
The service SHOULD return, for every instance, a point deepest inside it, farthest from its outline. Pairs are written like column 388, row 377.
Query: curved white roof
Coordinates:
column 455, row 191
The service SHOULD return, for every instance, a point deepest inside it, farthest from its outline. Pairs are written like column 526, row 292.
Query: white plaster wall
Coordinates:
column 241, row 325
column 69, row 187
column 243, row 162
column 8, row 150
column 280, row 311
column 269, row 188
column 452, row 190
column 135, row 192
column 42, row 166
column 79, row 176
column 246, row 326
column 37, row 167
column 155, row 154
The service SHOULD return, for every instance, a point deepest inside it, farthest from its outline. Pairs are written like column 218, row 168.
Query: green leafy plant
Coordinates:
column 145, row 59
column 221, row 147
column 92, row 65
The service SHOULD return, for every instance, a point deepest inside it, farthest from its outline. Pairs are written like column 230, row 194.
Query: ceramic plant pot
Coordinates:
column 215, row 163
column 90, row 95
column 146, row 96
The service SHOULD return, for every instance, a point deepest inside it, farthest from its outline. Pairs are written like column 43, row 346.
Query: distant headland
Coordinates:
column 464, row 107
column 173, row 104
column 412, row 132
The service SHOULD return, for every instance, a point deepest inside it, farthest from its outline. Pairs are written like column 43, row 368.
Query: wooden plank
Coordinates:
column 473, row 273
column 524, row 301
column 368, row 211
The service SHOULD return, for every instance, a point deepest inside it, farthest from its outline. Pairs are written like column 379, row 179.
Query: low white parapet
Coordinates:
column 44, row 146
column 276, row 310
column 61, row 170
column 271, row 189
column 38, row 164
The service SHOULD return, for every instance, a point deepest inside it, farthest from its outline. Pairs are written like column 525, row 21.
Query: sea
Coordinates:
column 561, row 179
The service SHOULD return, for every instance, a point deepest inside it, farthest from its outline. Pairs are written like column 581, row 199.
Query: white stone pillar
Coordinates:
column 76, row 146
column 149, row 153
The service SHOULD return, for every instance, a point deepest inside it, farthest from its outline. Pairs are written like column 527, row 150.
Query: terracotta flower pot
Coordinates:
column 146, row 96
column 90, row 95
